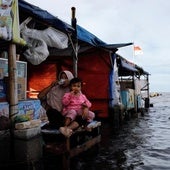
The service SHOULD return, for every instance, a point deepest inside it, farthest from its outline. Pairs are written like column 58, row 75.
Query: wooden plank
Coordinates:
column 77, row 150
column 68, row 151
column 71, row 152
column 50, row 131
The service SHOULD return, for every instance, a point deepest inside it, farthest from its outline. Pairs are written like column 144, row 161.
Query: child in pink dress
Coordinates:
column 76, row 107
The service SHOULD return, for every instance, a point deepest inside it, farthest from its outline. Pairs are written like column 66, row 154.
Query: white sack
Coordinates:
column 39, row 40
column 52, row 37
column 55, row 38
column 38, row 52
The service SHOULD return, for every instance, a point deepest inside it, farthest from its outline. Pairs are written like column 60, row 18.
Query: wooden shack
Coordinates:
column 27, row 71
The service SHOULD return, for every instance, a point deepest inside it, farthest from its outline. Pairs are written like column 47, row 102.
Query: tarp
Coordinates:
column 91, row 39
column 142, row 71
column 128, row 66
column 43, row 16
column 82, row 34
column 95, row 79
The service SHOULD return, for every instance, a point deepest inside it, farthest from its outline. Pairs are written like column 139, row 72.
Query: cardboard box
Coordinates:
column 21, row 79
column 3, row 95
column 4, row 109
column 1, row 73
column 21, row 85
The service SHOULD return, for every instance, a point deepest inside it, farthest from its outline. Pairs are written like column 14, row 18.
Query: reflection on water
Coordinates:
column 142, row 144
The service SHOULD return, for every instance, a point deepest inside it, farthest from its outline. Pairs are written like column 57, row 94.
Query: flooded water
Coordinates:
column 142, row 143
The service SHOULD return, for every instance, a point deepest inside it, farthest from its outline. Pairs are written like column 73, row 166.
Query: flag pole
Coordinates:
column 133, row 52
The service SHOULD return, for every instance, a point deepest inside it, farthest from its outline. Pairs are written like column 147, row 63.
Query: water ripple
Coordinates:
column 142, row 143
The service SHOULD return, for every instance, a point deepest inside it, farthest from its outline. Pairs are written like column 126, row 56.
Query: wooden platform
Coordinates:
column 80, row 141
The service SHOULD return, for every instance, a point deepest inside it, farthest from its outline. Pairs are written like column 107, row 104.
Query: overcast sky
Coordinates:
column 146, row 23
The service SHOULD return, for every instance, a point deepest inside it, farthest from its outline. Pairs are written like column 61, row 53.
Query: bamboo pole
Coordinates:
column 12, row 72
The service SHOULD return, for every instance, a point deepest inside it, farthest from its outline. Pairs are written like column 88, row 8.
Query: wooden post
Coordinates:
column 135, row 96
column 148, row 91
column 75, row 41
column 66, row 155
column 12, row 71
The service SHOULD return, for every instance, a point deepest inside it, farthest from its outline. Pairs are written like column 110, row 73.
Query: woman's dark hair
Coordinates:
column 75, row 80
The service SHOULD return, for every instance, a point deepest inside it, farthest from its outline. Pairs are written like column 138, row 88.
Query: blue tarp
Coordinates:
column 82, row 34
column 43, row 16
column 128, row 66
column 88, row 37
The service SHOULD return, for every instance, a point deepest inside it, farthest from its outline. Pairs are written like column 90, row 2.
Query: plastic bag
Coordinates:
column 39, row 40
column 38, row 52
column 52, row 37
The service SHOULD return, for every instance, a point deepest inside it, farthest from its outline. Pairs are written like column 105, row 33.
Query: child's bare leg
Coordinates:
column 73, row 125
column 66, row 131
column 67, row 121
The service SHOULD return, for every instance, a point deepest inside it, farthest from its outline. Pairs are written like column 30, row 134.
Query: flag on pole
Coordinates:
column 137, row 50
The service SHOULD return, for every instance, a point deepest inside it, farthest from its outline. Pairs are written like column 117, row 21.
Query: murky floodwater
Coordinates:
column 143, row 143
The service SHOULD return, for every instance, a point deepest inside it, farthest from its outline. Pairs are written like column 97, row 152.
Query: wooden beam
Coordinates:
column 85, row 146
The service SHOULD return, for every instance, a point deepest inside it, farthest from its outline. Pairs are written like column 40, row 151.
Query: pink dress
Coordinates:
column 72, row 106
